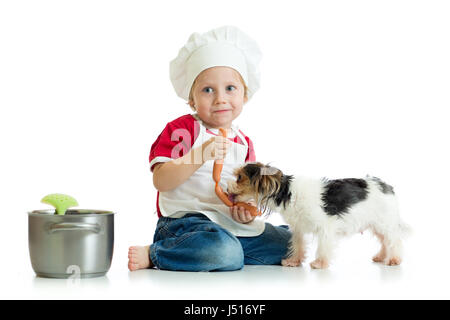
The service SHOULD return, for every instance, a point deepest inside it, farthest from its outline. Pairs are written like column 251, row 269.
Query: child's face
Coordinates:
column 218, row 95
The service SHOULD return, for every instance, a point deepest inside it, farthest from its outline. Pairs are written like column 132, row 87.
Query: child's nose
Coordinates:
column 220, row 97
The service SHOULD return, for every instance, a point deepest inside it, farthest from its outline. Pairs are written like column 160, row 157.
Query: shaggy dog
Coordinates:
column 326, row 208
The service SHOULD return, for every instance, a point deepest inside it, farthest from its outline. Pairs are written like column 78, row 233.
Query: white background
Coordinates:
column 348, row 88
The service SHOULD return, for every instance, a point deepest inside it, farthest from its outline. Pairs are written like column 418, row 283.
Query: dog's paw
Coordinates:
column 379, row 258
column 394, row 261
column 319, row 264
column 291, row 262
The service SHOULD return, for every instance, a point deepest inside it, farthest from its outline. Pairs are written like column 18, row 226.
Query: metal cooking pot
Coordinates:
column 80, row 241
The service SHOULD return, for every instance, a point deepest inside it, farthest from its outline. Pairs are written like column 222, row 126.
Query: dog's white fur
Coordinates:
column 305, row 214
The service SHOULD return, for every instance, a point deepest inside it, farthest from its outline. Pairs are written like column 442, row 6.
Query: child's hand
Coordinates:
column 216, row 148
column 241, row 215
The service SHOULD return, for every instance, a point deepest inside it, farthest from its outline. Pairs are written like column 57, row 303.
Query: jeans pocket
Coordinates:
column 176, row 227
column 163, row 228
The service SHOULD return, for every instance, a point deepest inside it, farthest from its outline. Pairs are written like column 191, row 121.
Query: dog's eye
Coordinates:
column 238, row 178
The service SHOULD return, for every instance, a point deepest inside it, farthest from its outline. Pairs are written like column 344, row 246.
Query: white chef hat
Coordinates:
column 225, row 46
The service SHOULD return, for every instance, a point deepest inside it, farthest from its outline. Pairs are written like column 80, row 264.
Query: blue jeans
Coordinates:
column 195, row 243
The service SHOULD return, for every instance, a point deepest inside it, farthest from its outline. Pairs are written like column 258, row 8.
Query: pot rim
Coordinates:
column 80, row 213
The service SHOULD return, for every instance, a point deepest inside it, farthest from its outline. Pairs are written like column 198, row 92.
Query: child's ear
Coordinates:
column 191, row 104
column 245, row 99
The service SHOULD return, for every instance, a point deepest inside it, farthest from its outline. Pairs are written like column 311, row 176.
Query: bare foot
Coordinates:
column 139, row 258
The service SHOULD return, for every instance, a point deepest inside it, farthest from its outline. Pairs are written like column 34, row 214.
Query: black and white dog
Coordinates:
column 326, row 208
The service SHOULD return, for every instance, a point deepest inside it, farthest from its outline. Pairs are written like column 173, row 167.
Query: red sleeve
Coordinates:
column 175, row 140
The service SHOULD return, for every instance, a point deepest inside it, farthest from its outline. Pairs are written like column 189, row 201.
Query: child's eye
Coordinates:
column 231, row 88
column 208, row 90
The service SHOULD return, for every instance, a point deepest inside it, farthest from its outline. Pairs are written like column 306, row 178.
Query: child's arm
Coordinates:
column 169, row 175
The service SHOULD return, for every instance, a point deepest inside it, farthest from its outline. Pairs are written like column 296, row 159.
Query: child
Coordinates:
column 216, row 72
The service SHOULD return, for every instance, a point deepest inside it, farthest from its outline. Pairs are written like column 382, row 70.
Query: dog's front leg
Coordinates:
column 324, row 251
column 296, row 253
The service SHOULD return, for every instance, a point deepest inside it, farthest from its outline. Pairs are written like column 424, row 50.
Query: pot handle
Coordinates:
column 78, row 226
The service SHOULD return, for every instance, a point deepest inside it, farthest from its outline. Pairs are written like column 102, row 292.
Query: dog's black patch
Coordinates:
column 284, row 194
column 383, row 186
column 339, row 195
column 252, row 170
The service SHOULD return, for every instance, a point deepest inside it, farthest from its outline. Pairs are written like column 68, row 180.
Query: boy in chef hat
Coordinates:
column 216, row 73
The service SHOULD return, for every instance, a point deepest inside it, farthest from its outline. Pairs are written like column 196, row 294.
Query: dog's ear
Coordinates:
column 253, row 171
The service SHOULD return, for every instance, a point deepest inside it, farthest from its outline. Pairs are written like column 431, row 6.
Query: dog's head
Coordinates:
column 260, row 182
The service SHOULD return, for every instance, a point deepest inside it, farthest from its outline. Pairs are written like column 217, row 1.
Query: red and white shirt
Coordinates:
column 197, row 193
